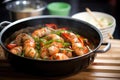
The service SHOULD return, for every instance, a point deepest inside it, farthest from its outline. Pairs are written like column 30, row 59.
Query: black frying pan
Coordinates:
column 53, row 68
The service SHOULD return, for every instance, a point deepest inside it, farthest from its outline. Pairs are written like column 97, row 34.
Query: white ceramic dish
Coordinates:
column 107, row 20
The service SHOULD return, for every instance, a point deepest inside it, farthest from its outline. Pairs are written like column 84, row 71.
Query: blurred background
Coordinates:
column 107, row 6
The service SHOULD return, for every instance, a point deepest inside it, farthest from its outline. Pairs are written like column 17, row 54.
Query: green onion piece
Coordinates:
column 58, row 32
column 67, row 49
column 48, row 42
column 37, row 42
column 57, row 40
column 66, row 44
column 23, row 53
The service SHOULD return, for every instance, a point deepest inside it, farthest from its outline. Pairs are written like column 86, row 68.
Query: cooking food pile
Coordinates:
column 49, row 43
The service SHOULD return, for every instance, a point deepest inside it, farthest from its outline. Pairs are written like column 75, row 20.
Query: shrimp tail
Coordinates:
column 77, row 43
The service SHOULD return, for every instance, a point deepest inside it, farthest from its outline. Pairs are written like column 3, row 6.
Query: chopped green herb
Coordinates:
column 77, row 35
column 57, row 40
column 42, row 40
column 66, row 44
column 22, row 54
column 48, row 42
column 37, row 42
column 67, row 49
column 58, row 32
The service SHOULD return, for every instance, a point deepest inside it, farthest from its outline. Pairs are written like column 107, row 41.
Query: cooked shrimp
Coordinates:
column 77, row 46
column 60, row 56
column 44, row 52
column 44, row 31
column 70, row 37
column 55, row 37
column 21, row 38
column 47, row 51
column 52, row 47
column 66, row 51
column 16, row 50
column 28, row 44
column 41, row 32
column 53, row 50
column 56, row 44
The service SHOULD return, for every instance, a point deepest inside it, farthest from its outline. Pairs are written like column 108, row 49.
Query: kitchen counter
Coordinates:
column 106, row 66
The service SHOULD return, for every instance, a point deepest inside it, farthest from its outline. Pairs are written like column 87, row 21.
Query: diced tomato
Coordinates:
column 10, row 46
column 54, row 26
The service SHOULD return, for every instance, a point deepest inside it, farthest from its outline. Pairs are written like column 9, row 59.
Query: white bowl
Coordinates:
column 107, row 20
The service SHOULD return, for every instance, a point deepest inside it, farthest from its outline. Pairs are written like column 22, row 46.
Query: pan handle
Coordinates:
column 3, row 24
column 106, row 48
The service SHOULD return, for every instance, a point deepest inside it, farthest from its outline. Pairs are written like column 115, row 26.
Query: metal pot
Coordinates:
column 25, row 8
column 54, row 67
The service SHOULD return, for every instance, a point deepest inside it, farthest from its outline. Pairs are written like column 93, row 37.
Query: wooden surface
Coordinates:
column 105, row 67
